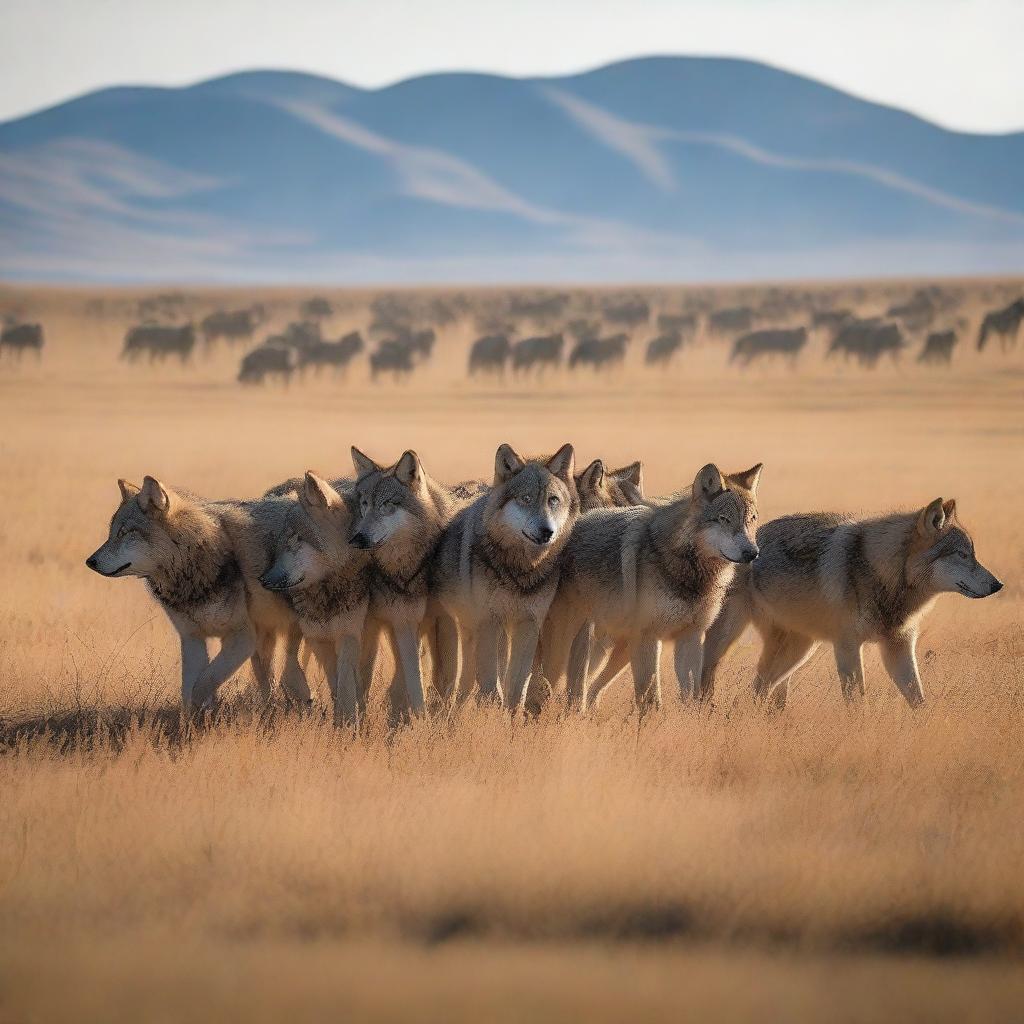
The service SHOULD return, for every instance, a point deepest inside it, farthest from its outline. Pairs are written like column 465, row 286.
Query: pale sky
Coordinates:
column 956, row 62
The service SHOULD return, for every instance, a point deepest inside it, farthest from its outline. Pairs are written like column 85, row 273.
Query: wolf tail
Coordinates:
column 734, row 617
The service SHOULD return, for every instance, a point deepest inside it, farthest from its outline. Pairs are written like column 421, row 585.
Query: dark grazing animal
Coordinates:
column 21, row 338
column 315, row 308
column 780, row 341
column 631, row 313
column 298, row 335
column 660, row 350
column 1004, row 322
column 938, row 348
column 267, row 361
column 336, row 354
column 541, row 352
column 599, row 352
column 831, row 320
column 393, row 356
column 489, row 354
column 231, row 325
column 867, row 341
column 159, row 341
column 734, row 318
column 677, row 323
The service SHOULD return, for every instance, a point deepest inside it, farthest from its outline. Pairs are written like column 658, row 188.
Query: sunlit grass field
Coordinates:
column 825, row 863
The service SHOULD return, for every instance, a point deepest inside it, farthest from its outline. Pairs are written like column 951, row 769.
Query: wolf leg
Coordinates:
column 487, row 659
column 689, row 656
column 900, row 660
column 645, row 659
column 721, row 635
column 783, row 654
column 467, row 664
column 444, row 654
column 618, row 659
column 368, row 650
column 407, row 644
column 263, row 663
column 236, row 649
column 579, row 667
column 194, row 660
column 293, row 677
column 327, row 659
column 523, row 650
column 851, row 668
column 346, row 674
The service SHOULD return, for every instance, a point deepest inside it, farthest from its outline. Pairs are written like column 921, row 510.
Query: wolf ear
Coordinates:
column 362, row 464
column 506, row 464
column 318, row 493
column 563, row 462
column 592, row 477
column 932, row 518
column 409, row 470
column 748, row 478
column 949, row 507
column 631, row 474
column 708, row 483
column 154, row 497
column 128, row 489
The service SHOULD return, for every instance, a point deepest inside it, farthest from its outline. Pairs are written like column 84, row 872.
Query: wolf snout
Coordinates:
column 995, row 586
column 359, row 540
column 273, row 581
column 750, row 554
column 545, row 533
column 91, row 563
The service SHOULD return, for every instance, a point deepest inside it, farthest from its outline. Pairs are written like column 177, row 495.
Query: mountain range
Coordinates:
column 661, row 168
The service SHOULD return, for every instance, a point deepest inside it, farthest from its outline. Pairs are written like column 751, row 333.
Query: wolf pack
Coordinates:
column 541, row 584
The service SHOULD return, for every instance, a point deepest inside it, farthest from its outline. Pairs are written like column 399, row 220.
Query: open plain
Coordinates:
column 824, row 863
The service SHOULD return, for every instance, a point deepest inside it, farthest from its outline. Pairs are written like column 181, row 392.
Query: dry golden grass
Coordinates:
column 812, row 865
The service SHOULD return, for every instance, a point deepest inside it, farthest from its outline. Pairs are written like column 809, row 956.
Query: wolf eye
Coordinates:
column 554, row 501
column 724, row 520
column 122, row 532
column 524, row 500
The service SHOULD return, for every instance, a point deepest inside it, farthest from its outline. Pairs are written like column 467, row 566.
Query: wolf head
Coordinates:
column 315, row 538
column 534, row 499
column 617, row 488
column 389, row 503
column 146, row 530
column 942, row 558
column 726, row 511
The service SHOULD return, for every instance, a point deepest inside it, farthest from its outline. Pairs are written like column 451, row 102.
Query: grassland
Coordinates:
column 823, row 864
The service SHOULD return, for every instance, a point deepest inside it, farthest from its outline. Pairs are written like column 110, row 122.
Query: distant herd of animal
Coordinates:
column 529, row 334
column 540, row 581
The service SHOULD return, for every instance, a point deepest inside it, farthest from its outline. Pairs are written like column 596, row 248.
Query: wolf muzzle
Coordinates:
column 92, row 563
column 275, row 581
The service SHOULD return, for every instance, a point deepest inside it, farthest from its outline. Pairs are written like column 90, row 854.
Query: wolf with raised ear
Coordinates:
column 202, row 561
column 825, row 577
column 400, row 513
column 327, row 582
column 648, row 573
column 498, row 566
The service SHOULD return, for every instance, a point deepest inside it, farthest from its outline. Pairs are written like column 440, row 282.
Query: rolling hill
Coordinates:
column 664, row 168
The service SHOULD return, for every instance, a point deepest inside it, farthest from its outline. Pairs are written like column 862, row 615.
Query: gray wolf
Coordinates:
column 1004, row 322
column 652, row 572
column 20, row 338
column 202, row 561
column 598, row 487
column 159, row 341
column 788, row 342
column 826, row 577
column 327, row 582
column 497, row 569
column 938, row 347
column 400, row 515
